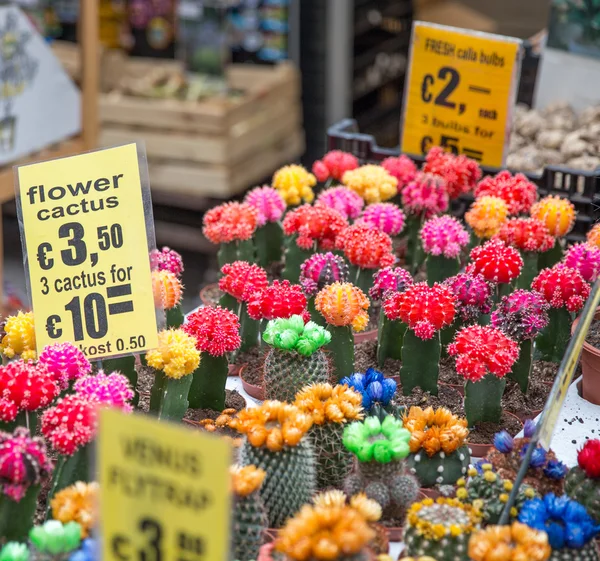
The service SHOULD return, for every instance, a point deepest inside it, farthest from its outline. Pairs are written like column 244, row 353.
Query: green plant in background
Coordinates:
column 174, row 362
column 380, row 471
column 296, row 358
column 276, row 442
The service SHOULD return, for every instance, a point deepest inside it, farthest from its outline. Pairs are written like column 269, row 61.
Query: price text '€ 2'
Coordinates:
column 84, row 262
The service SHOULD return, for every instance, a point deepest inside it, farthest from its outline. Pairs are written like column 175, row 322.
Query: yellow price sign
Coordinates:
column 460, row 90
column 164, row 491
column 84, row 231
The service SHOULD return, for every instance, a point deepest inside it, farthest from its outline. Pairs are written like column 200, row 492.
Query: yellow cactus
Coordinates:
column 246, row 480
column 77, row 503
column 330, row 404
column 294, row 184
column 509, row 543
column 486, row 216
column 167, row 289
column 176, row 354
column 342, row 303
column 373, row 183
column 556, row 213
column 19, row 338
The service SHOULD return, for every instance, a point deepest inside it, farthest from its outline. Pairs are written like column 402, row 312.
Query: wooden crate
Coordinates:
column 216, row 147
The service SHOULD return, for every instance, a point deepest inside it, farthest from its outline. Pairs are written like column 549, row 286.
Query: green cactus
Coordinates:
column 439, row 268
column 441, row 468
column 269, row 241
column 14, row 551
column 588, row 552
column 483, row 400
column 16, row 517
column 333, row 460
column 295, row 360
column 380, row 472
column 584, row 490
column 390, row 338
column 294, row 257
column 420, row 363
column 54, row 540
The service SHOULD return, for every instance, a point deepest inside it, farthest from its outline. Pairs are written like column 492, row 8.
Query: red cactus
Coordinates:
column 588, row 458
column 25, row 386
column 526, row 234
column 402, row 168
column 481, row 350
column 460, row 173
column 70, row 424
column 216, row 330
column 516, row 191
column 279, row 300
column 562, row 286
column 320, row 224
column 23, row 462
column 473, row 295
column 366, row 247
column 425, row 309
column 230, row 222
column 242, row 279
column 333, row 165
column 496, row 261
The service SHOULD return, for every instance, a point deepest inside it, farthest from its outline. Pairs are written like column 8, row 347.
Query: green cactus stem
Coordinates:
column 169, row 398
column 126, row 366
column 16, row 518
column 175, row 317
column 414, row 249
column 341, row 348
column 529, row 270
column 522, row 368
column 228, row 302
column 228, row 253
column 207, row 389
column 249, row 521
column 294, row 257
column 585, row 490
column 551, row 344
column 249, row 330
column 69, row 470
column 548, row 259
column 24, row 418
column 389, row 339
column 333, row 460
column 440, row 268
column 364, row 279
column 314, row 314
column 447, row 335
column 589, row 552
column 420, row 363
column 483, row 400
column 441, row 468
column 268, row 240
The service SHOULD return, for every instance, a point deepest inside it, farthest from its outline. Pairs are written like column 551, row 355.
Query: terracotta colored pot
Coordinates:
column 524, row 416
column 481, row 450
column 257, row 392
column 234, row 369
column 365, row 336
column 205, row 290
column 590, row 366
column 395, row 533
column 460, row 388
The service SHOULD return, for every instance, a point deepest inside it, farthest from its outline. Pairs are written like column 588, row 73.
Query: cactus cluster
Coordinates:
column 386, row 217
column 516, row 191
column 460, row 173
column 583, row 481
column 509, row 543
column 167, row 259
column 65, row 362
column 486, row 216
column 54, row 540
column 373, row 183
column 18, row 337
column 294, row 184
column 334, row 165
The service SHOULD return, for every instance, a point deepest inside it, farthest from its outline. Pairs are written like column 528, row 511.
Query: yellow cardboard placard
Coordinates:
column 84, row 231
column 164, row 491
column 460, row 88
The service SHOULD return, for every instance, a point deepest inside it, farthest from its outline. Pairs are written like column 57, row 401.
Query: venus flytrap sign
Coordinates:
column 85, row 232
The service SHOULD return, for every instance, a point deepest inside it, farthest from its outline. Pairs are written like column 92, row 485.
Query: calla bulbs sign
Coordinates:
column 85, row 231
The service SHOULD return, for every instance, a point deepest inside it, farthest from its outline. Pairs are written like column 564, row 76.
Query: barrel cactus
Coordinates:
column 438, row 451
column 295, row 359
column 331, row 408
column 583, row 481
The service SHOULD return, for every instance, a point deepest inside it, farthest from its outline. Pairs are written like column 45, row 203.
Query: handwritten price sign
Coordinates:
column 83, row 228
column 461, row 88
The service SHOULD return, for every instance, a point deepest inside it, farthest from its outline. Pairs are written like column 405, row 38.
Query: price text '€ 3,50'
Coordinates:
column 85, row 235
column 459, row 92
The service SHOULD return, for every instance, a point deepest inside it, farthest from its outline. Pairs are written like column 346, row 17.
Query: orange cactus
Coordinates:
column 330, row 404
column 557, row 213
column 274, row 424
column 509, row 543
column 246, row 480
column 342, row 303
column 435, row 431
column 593, row 236
column 77, row 503
column 167, row 289
column 486, row 216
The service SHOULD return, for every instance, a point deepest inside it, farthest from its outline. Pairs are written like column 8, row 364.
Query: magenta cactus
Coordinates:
column 402, row 168
column 65, row 362
column 348, row 203
column 585, row 258
column 473, row 296
column 389, row 280
column 167, row 259
column 522, row 316
column 113, row 390
column 386, row 217
column 322, row 269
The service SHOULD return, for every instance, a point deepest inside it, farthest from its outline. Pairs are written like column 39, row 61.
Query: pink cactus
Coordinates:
column 425, row 196
column 23, row 462
column 473, row 296
column 333, row 165
column 386, row 217
column 167, row 259
column 444, row 235
column 584, row 258
column 402, row 168
column 425, row 309
column 388, row 281
column 112, row 390
column 267, row 202
column 322, row 269
column 516, row 191
column 65, row 362
column 521, row 315
column 496, row 261
column 562, row 286
column 348, row 203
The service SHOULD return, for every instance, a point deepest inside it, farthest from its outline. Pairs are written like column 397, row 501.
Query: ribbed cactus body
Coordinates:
column 389, row 484
column 441, row 468
column 249, row 521
column 587, row 553
column 333, row 460
column 290, row 481
column 584, row 490
column 449, row 548
column 287, row 372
